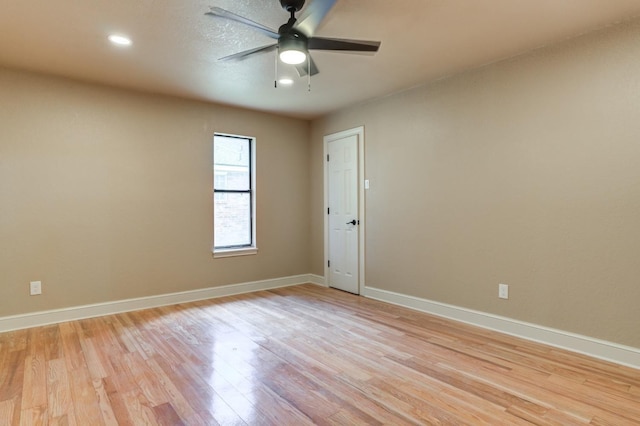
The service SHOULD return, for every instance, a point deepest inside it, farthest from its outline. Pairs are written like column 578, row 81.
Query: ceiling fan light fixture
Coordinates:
column 293, row 50
column 293, row 57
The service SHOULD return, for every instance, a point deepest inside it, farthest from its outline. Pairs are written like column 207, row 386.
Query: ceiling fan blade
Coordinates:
column 221, row 13
column 322, row 43
column 245, row 53
column 303, row 69
column 313, row 15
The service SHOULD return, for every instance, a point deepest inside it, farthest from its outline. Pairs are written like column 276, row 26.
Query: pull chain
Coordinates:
column 275, row 77
column 308, row 72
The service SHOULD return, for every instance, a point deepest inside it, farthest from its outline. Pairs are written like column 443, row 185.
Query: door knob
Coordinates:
column 353, row 222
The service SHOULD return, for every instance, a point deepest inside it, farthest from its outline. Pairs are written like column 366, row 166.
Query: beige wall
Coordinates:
column 106, row 194
column 525, row 172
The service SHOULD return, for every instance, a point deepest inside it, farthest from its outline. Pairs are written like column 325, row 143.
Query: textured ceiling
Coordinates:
column 175, row 46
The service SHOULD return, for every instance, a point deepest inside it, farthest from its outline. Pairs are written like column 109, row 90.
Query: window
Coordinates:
column 234, row 226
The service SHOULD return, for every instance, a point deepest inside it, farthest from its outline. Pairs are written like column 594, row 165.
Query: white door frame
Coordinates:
column 359, row 133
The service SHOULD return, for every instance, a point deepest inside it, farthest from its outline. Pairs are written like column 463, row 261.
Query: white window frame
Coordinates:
column 253, row 248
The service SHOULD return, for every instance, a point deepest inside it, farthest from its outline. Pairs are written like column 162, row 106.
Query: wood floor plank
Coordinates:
column 85, row 401
column 12, row 375
column 7, row 409
column 59, row 399
column 34, row 416
column 183, row 396
column 139, row 409
column 106, row 409
column 34, row 385
column 272, row 409
column 167, row 416
column 117, row 402
column 298, row 356
column 145, row 380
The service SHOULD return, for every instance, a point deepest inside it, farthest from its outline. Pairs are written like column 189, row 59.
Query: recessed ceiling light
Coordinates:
column 286, row 81
column 120, row 40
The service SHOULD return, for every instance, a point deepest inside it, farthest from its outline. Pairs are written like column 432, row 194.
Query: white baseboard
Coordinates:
column 317, row 280
column 624, row 355
column 35, row 319
column 609, row 351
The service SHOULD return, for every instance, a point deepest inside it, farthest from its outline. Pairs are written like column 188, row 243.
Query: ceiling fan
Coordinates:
column 295, row 38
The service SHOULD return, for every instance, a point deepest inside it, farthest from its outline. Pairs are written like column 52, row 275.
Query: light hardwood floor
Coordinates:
column 297, row 356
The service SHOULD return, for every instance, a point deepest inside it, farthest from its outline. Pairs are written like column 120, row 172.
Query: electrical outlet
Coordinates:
column 35, row 288
column 503, row 291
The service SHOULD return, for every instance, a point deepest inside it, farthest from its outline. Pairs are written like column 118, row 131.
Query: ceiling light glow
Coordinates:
column 286, row 81
column 293, row 57
column 120, row 40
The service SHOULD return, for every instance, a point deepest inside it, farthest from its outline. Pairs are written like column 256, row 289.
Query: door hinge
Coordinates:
column 328, row 210
column 327, row 157
column 328, row 264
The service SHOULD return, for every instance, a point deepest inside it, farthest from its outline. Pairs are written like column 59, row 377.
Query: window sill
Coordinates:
column 248, row 251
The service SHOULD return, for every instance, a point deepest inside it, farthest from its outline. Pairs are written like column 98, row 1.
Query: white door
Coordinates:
column 343, row 220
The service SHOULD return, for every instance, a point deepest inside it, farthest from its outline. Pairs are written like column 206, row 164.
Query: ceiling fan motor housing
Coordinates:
column 292, row 40
column 292, row 5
